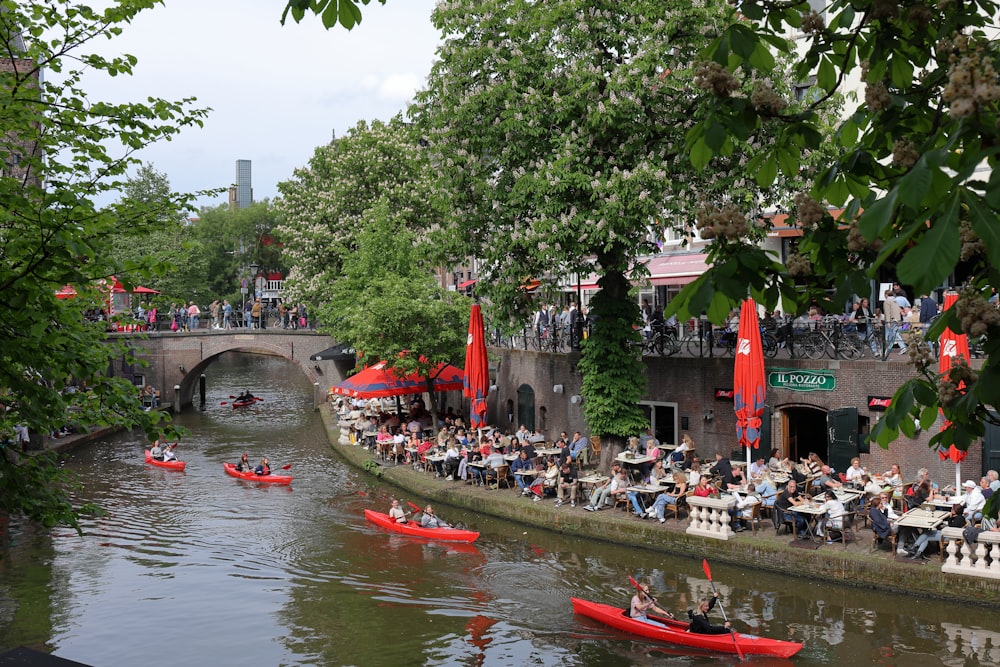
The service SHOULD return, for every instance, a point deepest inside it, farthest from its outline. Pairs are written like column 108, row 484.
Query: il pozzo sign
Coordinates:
column 800, row 380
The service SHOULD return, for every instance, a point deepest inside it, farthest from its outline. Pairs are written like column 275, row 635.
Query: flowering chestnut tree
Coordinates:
column 913, row 169
column 324, row 206
column 559, row 128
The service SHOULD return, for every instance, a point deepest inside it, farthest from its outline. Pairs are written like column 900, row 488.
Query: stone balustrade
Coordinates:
column 981, row 559
column 710, row 517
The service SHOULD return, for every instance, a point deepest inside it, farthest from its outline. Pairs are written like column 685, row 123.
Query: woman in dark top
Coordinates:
column 700, row 622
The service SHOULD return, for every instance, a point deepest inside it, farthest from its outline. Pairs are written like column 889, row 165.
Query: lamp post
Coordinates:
column 254, row 268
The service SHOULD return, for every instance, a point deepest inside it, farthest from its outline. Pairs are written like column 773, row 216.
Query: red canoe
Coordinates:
column 244, row 404
column 253, row 477
column 675, row 632
column 416, row 530
column 169, row 465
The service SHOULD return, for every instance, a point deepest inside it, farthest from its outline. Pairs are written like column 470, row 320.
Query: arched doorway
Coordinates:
column 804, row 430
column 526, row 406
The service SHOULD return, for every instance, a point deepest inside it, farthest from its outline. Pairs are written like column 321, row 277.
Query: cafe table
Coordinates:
column 431, row 460
column 546, row 451
column 848, row 497
column 923, row 519
column 648, row 492
column 633, row 460
column 472, row 466
column 944, row 503
column 812, row 511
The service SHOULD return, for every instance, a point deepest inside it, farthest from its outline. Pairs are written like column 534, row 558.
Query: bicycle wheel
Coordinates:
column 813, row 345
column 849, row 347
column 696, row 346
column 668, row 343
column 770, row 345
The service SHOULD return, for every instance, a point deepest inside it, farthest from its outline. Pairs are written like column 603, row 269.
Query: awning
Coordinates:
column 342, row 352
column 676, row 269
column 467, row 283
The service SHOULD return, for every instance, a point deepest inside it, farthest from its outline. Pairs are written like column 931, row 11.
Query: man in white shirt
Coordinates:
column 974, row 501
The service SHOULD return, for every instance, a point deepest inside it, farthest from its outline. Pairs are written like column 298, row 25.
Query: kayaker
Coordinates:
column 244, row 464
column 156, row 451
column 396, row 512
column 642, row 603
column 700, row 622
column 264, row 468
column 430, row 520
column 168, row 453
column 245, row 397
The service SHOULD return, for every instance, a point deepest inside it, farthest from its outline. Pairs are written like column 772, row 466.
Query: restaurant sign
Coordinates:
column 796, row 379
column 723, row 394
column 879, row 402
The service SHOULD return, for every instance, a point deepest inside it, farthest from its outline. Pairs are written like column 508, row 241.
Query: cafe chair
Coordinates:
column 843, row 535
column 503, row 476
column 595, row 446
column 680, row 506
column 783, row 521
column 621, row 500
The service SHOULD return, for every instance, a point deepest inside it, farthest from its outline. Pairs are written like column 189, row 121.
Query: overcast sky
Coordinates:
column 277, row 92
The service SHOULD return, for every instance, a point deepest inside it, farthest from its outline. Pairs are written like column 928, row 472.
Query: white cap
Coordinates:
column 969, row 484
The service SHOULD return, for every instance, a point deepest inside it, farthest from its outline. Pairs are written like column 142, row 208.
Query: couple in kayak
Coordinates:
column 643, row 602
column 244, row 465
column 428, row 519
column 160, row 453
column 246, row 397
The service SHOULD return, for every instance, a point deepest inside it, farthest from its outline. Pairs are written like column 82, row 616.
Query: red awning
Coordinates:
column 467, row 283
column 678, row 269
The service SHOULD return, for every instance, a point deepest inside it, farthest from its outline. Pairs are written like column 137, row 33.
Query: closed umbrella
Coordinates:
column 477, row 370
column 952, row 346
column 748, row 379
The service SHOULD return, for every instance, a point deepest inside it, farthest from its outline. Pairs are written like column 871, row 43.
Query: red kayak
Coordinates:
column 244, row 404
column 416, row 530
column 254, row 477
column 169, row 465
column 675, row 632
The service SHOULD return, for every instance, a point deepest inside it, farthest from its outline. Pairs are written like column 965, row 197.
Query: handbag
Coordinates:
column 173, row 325
column 302, row 322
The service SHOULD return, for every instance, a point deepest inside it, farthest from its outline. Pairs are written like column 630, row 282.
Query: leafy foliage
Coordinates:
column 55, row 161
column 561, row 129
column 345, row 12
column 913, row 171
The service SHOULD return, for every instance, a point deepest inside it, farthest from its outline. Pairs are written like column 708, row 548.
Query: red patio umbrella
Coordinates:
column 380, row 381
column 952, row 345
column 748, row 378
column 477, row 371
column 66, row 292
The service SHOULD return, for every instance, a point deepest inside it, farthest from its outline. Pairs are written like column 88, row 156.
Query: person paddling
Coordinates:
column 264, row 468
column 244, row 464
column 699, row 619
column 430, row 520
column 168, row 453
column 245, row 397
column 642, row 603
column 156, row 451
column 397, row 513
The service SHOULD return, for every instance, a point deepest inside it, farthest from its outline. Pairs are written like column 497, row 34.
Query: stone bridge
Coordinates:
column 176, row 360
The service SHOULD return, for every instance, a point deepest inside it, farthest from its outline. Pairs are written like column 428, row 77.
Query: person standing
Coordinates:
column 227, row 315
column 893, row 315
column 255, row 310
column 193, row 314
column 216, row 312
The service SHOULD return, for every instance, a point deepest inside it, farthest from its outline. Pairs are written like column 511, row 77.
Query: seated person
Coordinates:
column 522, row 463
column 580, row 443
column 787, row 499
column 244, row 465
column 758, row 468
column 609, row 489
column 567, row 484
column 742, row 511
column 643, row 603
column 827, row 481
column 156, row 451
column 854, row 472
column 493, row 461
column 168, row 453
column 881, row 524
column 974, row 501
column 430, row 520
column 703, row 489
column 724, row 469
column 396, row 512
column 245, row 396
column 264, row 468
column 668, row 498
column 956, row 519
column 452, row 459
column 833, row 512
column 699, row 619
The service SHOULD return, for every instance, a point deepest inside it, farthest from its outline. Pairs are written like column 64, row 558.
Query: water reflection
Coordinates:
column 201, row 568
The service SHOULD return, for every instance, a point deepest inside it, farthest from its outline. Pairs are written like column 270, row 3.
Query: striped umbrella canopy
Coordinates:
column 380, row 381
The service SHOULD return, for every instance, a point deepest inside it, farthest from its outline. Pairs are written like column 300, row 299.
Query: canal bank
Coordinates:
column 853, row 566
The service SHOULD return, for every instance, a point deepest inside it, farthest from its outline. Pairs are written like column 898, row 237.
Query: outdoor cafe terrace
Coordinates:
column 702, row 527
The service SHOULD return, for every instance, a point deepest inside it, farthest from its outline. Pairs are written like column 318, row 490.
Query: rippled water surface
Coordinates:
column 198, row 568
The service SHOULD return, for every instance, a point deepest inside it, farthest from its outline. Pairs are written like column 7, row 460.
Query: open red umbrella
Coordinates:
column 952, row 345
column 66, row 292
column 477, row 370
column 380, row 381
column 748, row 378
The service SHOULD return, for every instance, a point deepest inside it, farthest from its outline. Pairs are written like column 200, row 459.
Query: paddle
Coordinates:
column 287, row 466
column 641, row 590
column 732, row 633
column 416, row 508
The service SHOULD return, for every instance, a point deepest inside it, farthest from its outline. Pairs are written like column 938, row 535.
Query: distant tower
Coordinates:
column 241, row 192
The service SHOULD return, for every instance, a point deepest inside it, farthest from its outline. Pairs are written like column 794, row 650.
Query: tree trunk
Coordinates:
column 611, row 446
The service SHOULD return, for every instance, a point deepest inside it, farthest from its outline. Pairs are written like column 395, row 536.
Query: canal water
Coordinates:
column 198, row 568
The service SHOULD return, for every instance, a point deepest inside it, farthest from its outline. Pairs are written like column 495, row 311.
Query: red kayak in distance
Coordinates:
column 169, row 465
column 416, row 530
column 243, row 404
column 254, row 477
column 676, row 632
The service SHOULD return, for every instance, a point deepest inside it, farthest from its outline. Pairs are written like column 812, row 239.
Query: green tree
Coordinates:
column 323, row 208
column 914, row 170
column 560, row 128
column 345, row 12
column 388, row 304
column 55, row 159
